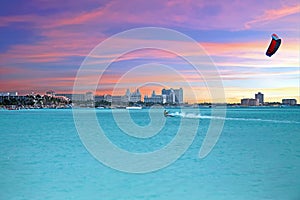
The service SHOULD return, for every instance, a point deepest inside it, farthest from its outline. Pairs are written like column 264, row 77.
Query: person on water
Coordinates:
column 166, row 113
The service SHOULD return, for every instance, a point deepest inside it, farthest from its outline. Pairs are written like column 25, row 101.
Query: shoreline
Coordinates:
column 13, row 107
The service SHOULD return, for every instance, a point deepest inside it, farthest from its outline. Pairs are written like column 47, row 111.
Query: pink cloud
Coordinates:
column 56, row 46
column 273, row 14
column 61, row 39
column 7, row 20
column 79, row 19
column 5, row 70
column 192, row 14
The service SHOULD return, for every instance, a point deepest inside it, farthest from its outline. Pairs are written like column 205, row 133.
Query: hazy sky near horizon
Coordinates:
column 43, row 43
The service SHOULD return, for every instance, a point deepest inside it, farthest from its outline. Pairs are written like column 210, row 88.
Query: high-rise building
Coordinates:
column 178, row 95
column 260, row 98
column 172, row 95
column 165, row 92
column 289, row 102
column 164, row 98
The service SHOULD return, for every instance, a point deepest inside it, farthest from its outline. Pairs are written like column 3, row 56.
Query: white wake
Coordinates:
column 198, row 116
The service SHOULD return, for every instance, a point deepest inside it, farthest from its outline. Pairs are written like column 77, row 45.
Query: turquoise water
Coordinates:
column 257, row 157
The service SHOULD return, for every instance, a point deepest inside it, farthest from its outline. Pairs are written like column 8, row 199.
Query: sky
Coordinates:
column 43, row 44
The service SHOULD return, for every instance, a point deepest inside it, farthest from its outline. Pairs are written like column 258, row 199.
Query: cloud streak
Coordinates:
column 273, row 14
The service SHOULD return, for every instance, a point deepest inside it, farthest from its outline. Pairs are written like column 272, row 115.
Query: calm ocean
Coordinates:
column 256, row 157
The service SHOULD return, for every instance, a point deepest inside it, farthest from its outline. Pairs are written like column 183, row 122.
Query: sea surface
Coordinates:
column 256, row 157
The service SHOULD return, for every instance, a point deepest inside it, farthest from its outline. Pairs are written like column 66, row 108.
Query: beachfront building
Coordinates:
column 99, row 98
column 124, row 100
column 135, row 96
column 108, row 98
column 153, row 98
column 173, row 96
column 178, row 95
column 260, row 98
column 127, row 95
column 168, row 95
column 249, row 102
column 289, row 102
column 8, row 95
column 117, row 99
column 88, row 96
column 76, row 97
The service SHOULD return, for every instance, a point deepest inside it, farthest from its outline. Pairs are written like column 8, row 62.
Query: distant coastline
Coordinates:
column 16, row 105
column 173, row 99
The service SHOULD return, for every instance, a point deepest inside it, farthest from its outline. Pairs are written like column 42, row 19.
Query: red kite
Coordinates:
column 274, row 45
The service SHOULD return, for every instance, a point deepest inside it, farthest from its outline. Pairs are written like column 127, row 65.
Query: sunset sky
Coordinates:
column 43, row 43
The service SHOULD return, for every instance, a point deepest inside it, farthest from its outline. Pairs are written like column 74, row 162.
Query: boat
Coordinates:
column 133, row 107
column 100, row 107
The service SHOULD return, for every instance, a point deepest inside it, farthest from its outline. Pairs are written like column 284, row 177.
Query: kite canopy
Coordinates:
column 274, row 45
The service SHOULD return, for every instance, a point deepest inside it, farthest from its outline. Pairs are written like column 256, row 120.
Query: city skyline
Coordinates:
column 43, row 45
column 171, row 95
